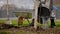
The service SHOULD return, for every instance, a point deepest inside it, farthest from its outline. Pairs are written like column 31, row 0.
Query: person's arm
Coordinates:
column 52, row 14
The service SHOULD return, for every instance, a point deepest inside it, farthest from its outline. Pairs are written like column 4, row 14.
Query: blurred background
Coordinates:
column 23, row 5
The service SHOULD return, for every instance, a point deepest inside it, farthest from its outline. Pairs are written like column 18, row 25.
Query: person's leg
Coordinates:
column 52, row 22
column 41, row 22
column 39, row 19
column 45, row 21
column 32, row 23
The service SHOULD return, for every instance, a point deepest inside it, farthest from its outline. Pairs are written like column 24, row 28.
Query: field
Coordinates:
column 25, row 22
column 30, row 30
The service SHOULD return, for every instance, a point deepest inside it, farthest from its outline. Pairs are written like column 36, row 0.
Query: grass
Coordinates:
column 57, row 23
column 25, row 23
column 2, row 21
column 4, row 32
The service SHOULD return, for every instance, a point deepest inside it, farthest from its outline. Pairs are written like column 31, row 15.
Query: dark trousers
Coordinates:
column 52, row 22
column 51, row 19
column 41, row 22
column 32, row 23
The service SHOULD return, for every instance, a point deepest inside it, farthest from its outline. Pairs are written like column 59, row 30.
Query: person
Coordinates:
column 43, row 16
column 52, row 18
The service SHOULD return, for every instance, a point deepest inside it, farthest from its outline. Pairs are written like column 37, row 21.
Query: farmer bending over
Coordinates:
column 43, row 15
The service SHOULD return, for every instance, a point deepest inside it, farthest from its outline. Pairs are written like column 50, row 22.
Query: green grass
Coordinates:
column 25, row 23
column 4, row 32
column 2, row 21
column 57, row 23
column 14, row 22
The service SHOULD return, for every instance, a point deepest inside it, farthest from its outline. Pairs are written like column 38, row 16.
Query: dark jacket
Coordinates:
column 43, row 11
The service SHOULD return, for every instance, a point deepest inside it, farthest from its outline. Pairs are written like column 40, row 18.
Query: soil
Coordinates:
column 31, row 30
column 28, row 30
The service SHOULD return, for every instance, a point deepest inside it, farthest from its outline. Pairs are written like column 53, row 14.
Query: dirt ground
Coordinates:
column 31, row 30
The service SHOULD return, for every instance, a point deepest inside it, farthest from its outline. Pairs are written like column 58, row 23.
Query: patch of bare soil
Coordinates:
column 31, row 30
